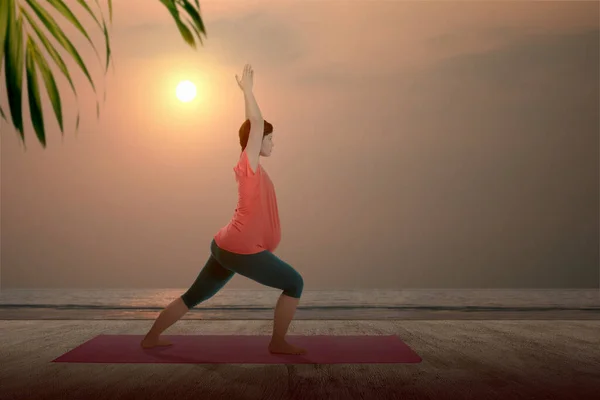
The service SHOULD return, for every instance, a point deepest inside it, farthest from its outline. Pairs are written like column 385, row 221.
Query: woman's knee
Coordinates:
column 295, row 287
column 188, row 300
column 195, row 296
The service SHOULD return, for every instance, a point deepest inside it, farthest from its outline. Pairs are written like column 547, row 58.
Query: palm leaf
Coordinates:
column 50, row 49
column 33, row 93
column 107, row 41
column 55, row 57
column 5, row 8
column 50, row 83
column 196, row 31
column 105, row 31
column 197, row 25
column 183, row 30
column 102, row 28
column 68, row 14
column 18, row 54
column 14, row 68
column 83, row 4
column 60, row 36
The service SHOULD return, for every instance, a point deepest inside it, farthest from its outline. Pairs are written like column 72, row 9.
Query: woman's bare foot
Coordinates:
column 148, row 343
column 283, row 347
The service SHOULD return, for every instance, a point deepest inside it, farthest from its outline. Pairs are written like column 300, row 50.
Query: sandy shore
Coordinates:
column 461, row 360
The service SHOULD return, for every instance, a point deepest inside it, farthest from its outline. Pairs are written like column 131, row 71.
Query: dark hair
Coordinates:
column 245, row 132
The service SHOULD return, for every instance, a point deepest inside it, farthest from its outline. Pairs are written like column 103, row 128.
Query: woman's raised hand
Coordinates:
column 247, row 80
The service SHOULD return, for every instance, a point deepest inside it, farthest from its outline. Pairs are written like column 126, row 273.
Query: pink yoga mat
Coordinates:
column 242, row 349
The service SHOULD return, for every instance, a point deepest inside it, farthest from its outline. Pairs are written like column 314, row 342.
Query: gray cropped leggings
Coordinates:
column 264, row 268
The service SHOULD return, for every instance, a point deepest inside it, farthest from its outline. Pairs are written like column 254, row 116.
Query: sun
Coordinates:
column 186, row 91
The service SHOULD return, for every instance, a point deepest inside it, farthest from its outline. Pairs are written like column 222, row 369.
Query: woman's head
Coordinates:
column 267, row 142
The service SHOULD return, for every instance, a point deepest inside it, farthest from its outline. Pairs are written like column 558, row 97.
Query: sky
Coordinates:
column 417, row 145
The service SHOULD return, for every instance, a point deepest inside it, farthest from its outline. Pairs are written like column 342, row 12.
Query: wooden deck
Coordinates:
column 461, row 360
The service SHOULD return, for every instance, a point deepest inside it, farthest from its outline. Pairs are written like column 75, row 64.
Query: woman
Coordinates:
column 245, row 246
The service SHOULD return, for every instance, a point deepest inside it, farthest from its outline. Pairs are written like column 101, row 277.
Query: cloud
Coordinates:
column 522, row 68
column 256, row 37
column 532, row 69
column 483, row 114
column 523, row 115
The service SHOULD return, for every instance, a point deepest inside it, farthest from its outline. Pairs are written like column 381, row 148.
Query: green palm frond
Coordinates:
column 55, row 56
column 26, row 26
column 33, row 93
column 49, row 83
column 68, row 14
column 4, row 13
column 13, row 67
column 5, row 10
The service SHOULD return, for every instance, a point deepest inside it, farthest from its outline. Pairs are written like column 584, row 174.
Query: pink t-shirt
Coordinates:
column 255, row 223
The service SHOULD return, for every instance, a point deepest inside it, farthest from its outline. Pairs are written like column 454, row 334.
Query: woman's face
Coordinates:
column 267, row 145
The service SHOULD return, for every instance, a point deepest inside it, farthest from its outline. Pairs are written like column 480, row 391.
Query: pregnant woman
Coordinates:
column 245, row 245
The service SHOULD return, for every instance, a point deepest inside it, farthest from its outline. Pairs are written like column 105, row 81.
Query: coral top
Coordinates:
column 255, row 223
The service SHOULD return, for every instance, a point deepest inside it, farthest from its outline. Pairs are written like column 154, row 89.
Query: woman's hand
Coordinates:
column 247, row 79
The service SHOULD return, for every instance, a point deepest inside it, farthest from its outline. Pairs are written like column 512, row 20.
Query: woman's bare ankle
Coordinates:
column 281, row 346
column 151, row 338
column 277, row 339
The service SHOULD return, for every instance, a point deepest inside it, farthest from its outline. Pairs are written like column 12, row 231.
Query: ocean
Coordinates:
column 373, row 304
